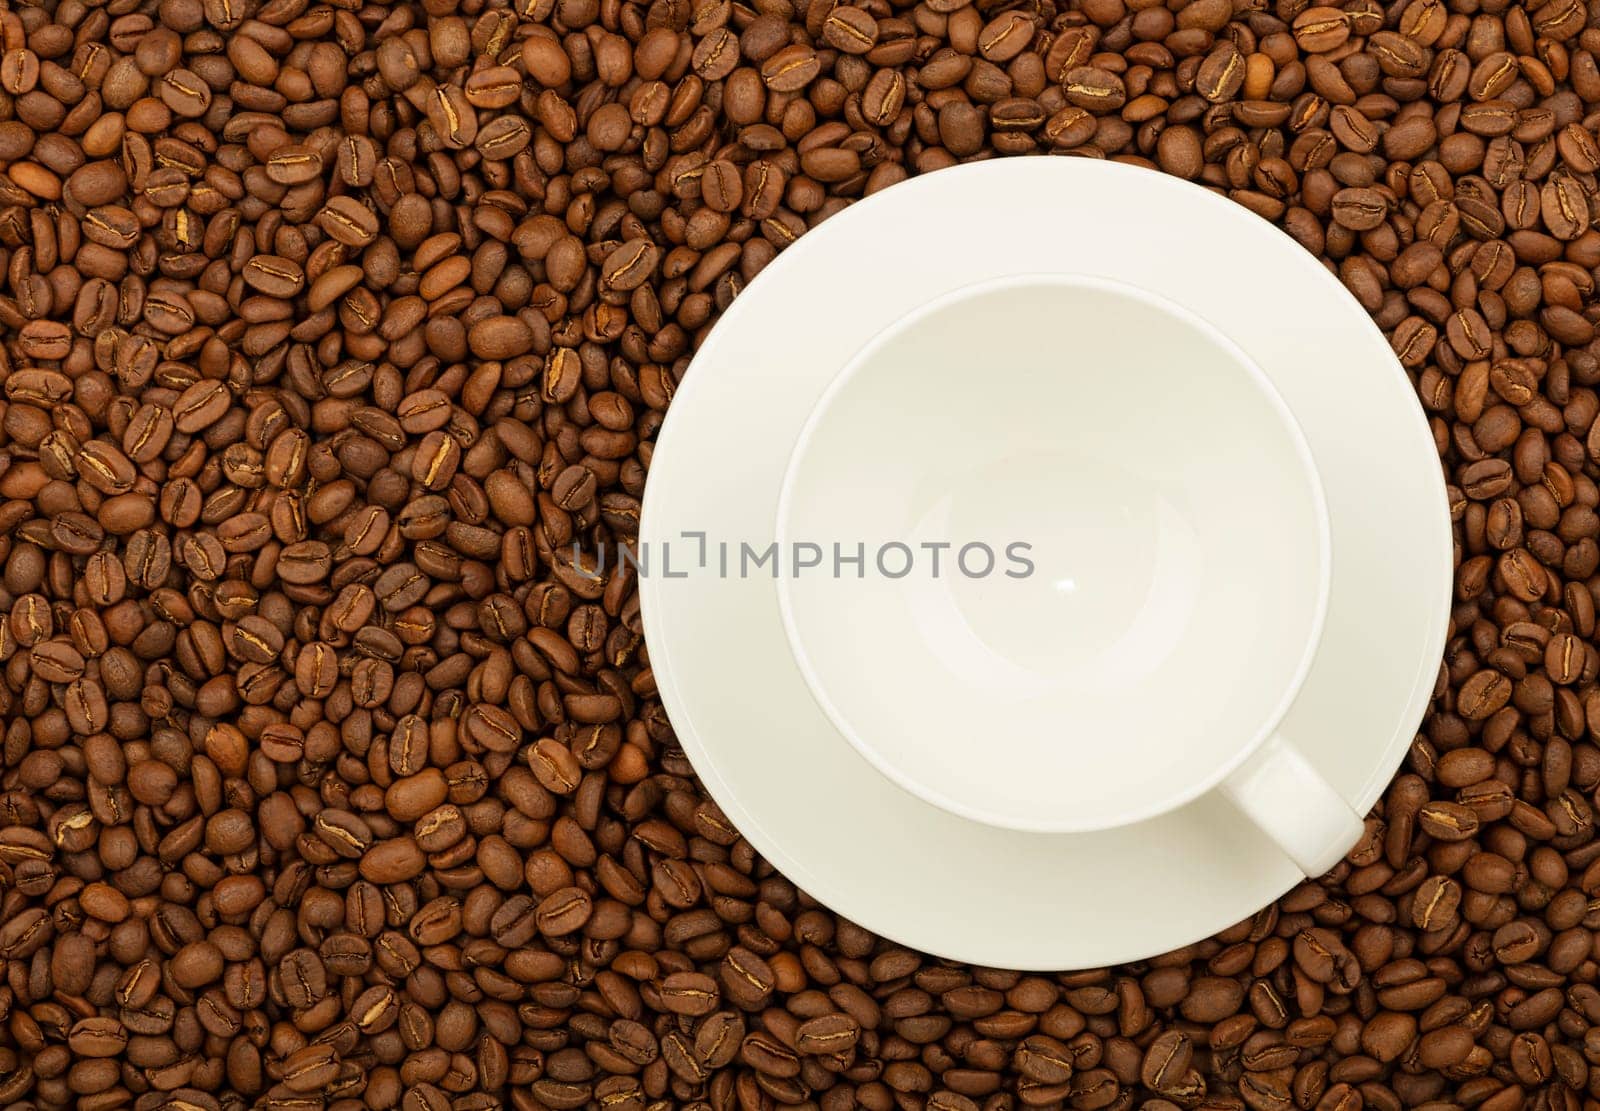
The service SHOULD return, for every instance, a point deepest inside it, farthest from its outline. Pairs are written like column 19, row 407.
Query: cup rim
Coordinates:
column 1128, row 815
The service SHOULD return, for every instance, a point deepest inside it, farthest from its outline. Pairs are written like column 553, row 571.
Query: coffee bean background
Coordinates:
column 332, row 779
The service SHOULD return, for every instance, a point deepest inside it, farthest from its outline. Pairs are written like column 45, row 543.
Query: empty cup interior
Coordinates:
column 1073, row 553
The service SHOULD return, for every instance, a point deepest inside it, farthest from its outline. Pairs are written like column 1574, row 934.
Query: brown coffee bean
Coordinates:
column 1388, row 1035
column 294, row 165
column 717, row 55
column 1166, row 1062
column 747, row 980
column 689, row 993
column 310, row 1068
column 1319, row 29
column 768, row 1056
column 1360, row 209
column 718, row 1039
column 1448, row 821
column 97, row 1037
column 392, row 861
column 348, row 221
column 1095, row 90
column 629, row 266
column 563, row 912
column 791, row 69
column 500, row 337
column 1006, row 36
column 1221, row 74
column 881, row 100
column 851, row 30
column 1485, row 693
column 827, row 1035
column 274, row 275
column 200, row 406
column 303, row 978
column 1436, row 903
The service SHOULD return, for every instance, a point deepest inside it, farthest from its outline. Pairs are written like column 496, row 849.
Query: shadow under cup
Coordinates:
column 1157, row 554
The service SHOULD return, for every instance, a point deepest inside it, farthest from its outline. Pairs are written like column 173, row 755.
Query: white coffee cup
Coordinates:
column 1157, row 576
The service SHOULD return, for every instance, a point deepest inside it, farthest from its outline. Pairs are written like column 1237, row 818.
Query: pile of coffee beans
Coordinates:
column 332, row 777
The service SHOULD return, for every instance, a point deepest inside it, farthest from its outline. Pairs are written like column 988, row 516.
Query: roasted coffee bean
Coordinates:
column 747, row 980
column 563, row 912
column 1221, row 74
column 827, row 1035
column 718, row 1038
column 1044, row 1060
column 1166, row 1063
column 97, row 1037
column 1448, row 821
column 310, row 1068
column 689, row 993
column 1095, row 90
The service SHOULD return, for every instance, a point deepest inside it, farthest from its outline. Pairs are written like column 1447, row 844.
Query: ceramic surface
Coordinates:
column 1163, row 532
column 740, row 705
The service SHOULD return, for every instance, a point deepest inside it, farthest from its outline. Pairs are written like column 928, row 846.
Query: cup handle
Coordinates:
column 1279, row 790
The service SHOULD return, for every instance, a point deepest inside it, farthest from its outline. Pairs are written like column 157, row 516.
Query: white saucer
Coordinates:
column 740, row 707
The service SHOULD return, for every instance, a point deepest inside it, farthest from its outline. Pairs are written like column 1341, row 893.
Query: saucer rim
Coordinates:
column 1361, row 331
